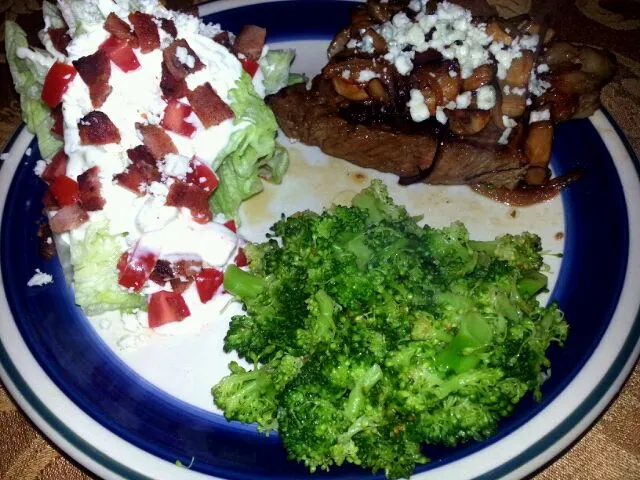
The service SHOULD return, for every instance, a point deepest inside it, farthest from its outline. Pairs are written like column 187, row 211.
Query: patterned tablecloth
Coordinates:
column 610, row 450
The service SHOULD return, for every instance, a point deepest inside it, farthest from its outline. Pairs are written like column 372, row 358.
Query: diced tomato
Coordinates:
column 231, row 225
column 207, row 283
column 165, row 307
column 120, row 53
column 136, row 268
column 175, row 118
column 56, row 83
column 241, row 259
column 250, row 66
column 56, row 168
column 65, row 190
column 202, row 176
column 58, row 122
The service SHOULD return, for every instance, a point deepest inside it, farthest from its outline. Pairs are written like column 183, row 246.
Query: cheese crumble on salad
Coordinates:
column 153, row 131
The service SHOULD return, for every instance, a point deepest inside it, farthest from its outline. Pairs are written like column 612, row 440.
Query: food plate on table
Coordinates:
column 148, row 412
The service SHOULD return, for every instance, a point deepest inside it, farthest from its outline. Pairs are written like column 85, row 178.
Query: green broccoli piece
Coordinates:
column 373, row 335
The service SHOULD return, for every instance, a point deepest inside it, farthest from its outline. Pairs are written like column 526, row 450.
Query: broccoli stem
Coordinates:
column 241, row 283
column 531, row 283
column 363, row 385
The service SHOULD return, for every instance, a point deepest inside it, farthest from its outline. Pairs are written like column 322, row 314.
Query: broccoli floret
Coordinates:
column 252, row 396
column 373, row 335
column 521, row 251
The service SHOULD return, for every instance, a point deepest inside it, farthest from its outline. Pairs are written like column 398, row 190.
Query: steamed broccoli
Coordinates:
column 371, row 335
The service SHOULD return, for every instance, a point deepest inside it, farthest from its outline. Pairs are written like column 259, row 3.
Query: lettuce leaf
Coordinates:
column 81, row 15
column 28, row 69
column 249, row 153
column 275, row 68
column 95, row 277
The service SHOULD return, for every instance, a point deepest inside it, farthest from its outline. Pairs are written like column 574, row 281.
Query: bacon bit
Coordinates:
column 178, row 69
column 58, row 121
column 141, row 154
column 156, row 140
column 49, row 202
column 96, row 128
column 187, row 268
column 47, row 245
column 171, row 87
column 138, row 174
column 195, row 199
column 68, row 218
column 208, row 106
column 250, row 42
column 95, row 70
column 146, row 31
column 179, row 286
column 168, row 26
column 223, row 39
column 162, row 272
column 182, row 271
column 60, row 38
column 56, row 168
column 90, row 195
column 121, row 29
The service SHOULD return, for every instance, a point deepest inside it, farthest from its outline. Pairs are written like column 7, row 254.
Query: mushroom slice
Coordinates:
column 519, row 71
column 536, row 176
column 499, row 35
column 378, row 93
column 537, row 148
column 480, row 76
column 468, row 122
column 513, row 105
column 338, row 43
column 349, row 90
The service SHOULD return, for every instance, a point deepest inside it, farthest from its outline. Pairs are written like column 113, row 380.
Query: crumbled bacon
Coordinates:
column 47, row 245
column 95, row 70
column 168, row 26
column 193, row 198
column 179, row 286
column 60, row 38
column 58, row 121
column 68, row 218
column 141, row 154
column 223, row 39
column 208, row 106
column 90, row 195
column 180, row 273
column 49, row 201
column 96, row 128
column 250, row 42
column 156, row 140
column 146, row 31
column 121, row 29
column 178, row 69
column 171, row 87
column 56, row 168
column 139, row 174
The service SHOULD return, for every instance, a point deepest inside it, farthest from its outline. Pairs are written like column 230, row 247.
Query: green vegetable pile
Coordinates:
column 371, row 335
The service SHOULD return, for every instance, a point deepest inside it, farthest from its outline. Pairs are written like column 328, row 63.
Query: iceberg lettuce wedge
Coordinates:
column 28, row 69
column 250, row 154
column 95, row 277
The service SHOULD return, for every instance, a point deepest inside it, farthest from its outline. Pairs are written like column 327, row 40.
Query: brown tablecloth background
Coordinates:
column 610, row 450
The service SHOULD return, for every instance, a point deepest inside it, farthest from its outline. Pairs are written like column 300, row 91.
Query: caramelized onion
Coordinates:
column 525, row 195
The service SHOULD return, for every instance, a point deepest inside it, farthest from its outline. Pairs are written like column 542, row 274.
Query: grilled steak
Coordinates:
column 400, row 95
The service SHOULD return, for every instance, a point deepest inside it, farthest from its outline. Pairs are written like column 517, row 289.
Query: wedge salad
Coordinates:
column 152, row 129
